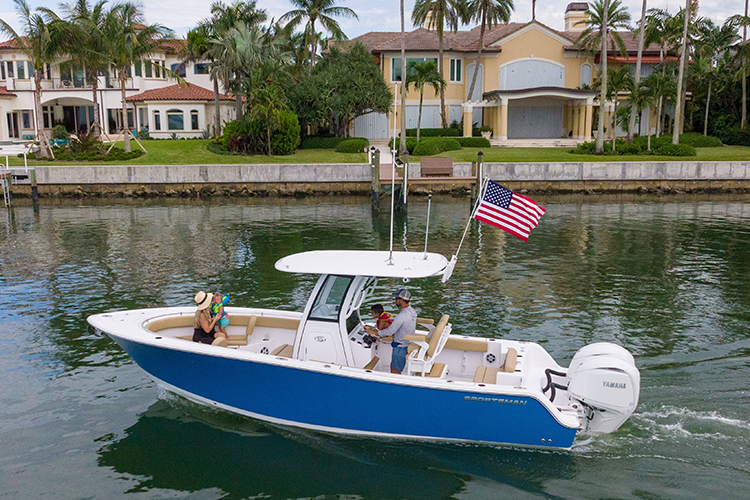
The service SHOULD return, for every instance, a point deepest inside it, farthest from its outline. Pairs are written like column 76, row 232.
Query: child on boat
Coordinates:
column 384, row 319
column 217, row 309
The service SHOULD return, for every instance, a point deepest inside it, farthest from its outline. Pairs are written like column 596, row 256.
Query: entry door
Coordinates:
column 13, row 125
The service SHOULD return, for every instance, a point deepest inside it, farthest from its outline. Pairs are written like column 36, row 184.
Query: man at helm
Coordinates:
column 405, row 323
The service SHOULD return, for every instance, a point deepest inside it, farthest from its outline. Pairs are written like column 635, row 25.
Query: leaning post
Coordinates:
column 34, row 191
column 375, row 189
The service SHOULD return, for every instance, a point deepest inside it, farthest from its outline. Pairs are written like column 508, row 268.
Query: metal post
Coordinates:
column 375, row 189
column 480, row 174
column 34, row 192
column 474, row 189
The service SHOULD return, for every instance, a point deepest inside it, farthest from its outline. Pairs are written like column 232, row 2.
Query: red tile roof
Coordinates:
column 4, row 92
column 8, row 44
column 185, row 92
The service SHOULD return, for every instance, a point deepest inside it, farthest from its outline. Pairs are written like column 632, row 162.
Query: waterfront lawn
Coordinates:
column 194, row 152
column 521, row 155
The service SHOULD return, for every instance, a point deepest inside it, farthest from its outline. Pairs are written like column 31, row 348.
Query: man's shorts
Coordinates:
column 398, row 358
column 224, row 321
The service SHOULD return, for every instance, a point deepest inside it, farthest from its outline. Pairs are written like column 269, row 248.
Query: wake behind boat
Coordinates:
column 318, row 369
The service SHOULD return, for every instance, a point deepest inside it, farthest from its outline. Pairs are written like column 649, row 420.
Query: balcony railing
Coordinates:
column 64, row 84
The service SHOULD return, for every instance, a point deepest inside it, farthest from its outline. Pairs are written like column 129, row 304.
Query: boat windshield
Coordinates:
column 330, row 298
column 353, row 322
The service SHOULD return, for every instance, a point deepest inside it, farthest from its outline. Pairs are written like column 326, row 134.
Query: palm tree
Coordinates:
column 87, row 45
column 661, row 86
column 423, row 73
column 129, row 40
column 317, row 10
column 41, row 41
column 487, row 12
column 601, row 25
column 437, row 14
column 618, row 79
column 267, row 105
column 743, row 123
column 679, row 108
column 637, row 80
column 714, row 40
column 197, row 49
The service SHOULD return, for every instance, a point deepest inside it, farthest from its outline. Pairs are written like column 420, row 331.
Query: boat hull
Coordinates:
column 340, row 403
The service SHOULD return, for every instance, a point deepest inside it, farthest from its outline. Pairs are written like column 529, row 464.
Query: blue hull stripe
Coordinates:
column 310, row 398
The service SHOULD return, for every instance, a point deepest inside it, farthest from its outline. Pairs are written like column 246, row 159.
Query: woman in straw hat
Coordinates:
column 205, row 327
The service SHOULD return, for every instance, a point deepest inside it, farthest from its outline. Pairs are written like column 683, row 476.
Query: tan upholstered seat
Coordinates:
column 486, row 375
column 510, row 361
column 422, row 359
column 285, row 351
column 182, row 321
column 466, row 345
column 372, row 364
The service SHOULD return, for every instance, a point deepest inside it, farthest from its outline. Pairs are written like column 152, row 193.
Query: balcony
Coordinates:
column 65, row 84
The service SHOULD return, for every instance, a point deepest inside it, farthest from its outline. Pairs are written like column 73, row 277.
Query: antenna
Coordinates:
column 427, row 230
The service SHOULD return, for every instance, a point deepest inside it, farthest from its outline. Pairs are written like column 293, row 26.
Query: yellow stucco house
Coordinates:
column 532, row 81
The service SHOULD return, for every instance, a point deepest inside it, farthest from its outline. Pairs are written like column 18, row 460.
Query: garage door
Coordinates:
column 371, row 126
column 535, row 122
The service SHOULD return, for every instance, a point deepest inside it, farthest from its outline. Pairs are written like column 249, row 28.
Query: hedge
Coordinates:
column 320, row 142
column 411, row 143
column 675, row 150
column 735, row 136
column 434, row 132
column 436, row 145
column 698, row 140
column 355, row 145
column 473, row 142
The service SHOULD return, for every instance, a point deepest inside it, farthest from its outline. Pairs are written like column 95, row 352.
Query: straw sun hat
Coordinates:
column 203, row 300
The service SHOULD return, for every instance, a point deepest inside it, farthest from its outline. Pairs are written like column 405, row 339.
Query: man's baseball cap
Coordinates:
column 403, row 294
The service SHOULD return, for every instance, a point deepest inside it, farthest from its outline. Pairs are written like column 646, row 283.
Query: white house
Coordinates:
column 67, row 96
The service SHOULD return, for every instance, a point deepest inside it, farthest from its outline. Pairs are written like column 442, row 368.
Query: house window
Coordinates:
column 148, row 69
column 31, row 70
column 26, row 119
column 2, row 71
column 48, row 113
column 456, row 74
column 175, row 119
column 200, row 69
column 138, row 69
column 178, row 69
column 157, row 70
column 21, row 67
column 10, row 69
column 194, row 119
column 586, row 75
column 48, row 71
column 157, row 120
column 396, row 66
column 164, row 69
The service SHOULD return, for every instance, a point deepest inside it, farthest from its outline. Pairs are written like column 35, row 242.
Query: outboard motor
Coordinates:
column 604, row 383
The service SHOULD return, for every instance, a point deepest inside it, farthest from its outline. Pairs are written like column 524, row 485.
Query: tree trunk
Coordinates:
column 96, row 127
column 602, row 96
column 217, row 111
column 43, row 144
column 708, row 103
column 419, row 117
column 402, row 143
column 631, row 123
column 443, row 120
column 658, row 117
column 614, row 125
column 743, row 123
column 679, row 111
column 238, row 106
column 479, row 55
column 313, row 44
column 125, row 127
column 268, row 134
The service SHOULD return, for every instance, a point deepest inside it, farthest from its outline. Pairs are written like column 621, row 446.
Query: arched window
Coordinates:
column 194, row 119
column 175, row 119
column 157, row 120
column 585, row 74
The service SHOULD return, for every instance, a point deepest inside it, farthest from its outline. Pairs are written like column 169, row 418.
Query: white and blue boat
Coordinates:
column 319, row 370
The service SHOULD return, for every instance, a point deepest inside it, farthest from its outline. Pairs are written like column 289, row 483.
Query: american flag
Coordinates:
column 509, row 211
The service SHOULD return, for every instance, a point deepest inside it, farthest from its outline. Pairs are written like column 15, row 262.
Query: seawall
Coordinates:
column 290, row 180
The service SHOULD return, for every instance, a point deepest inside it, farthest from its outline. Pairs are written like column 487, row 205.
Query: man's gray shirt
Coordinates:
column 405, row 323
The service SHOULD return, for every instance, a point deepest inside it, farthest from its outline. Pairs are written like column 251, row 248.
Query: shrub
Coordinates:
column 700, row 141
column 434, row 132
column 285, row 139
column 116, row 154
column 219, row 149
column 436, row 145
column 60, row 132
column 735, row 136
column 317, row 142
column 485, row 128
column 411, row 143
column 675, row 150
column 356, row 145
column 473, row 142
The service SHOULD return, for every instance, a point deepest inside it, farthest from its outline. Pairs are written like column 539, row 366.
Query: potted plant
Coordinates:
column 486, row 132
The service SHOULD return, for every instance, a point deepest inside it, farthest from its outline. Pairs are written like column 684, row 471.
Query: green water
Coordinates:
column 669, row 279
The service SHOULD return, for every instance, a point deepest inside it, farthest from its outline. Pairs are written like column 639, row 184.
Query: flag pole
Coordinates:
column 452, row 264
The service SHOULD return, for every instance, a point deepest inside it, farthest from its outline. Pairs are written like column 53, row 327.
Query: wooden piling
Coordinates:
column 375, row 189
column 474, row 187
column 34, row 191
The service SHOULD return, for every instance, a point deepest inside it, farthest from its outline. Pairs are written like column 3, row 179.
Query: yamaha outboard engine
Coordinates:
column 603, row 384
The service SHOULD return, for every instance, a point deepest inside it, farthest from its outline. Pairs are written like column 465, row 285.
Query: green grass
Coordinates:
column 194, row 152
column 725, row 153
